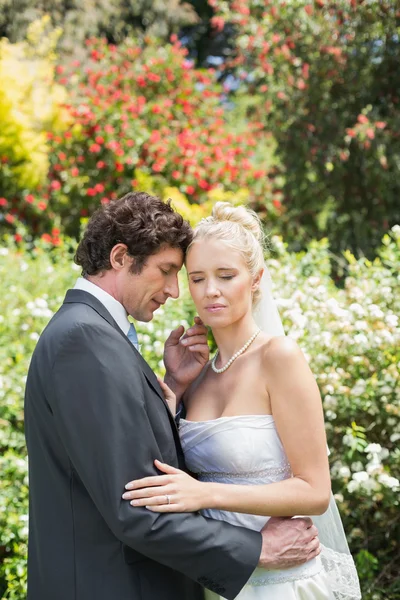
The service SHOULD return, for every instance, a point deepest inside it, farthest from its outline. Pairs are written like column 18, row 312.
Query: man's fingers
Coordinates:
column 312, row 533
column 192, row 340
column 201, row 348
column 175, row 335
column 196, row 330
column 307, row 522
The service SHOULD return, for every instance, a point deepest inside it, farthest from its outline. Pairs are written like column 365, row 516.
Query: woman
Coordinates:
column 254, row 431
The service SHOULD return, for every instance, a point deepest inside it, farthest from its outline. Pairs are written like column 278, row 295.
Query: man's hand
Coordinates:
column 185, row 356
column 288, row 542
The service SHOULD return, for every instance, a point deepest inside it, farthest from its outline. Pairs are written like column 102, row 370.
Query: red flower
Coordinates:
column 176, row 174
column 100, row 164
column 18, row 237
column 46, row 238
column 189, row 189
column 104, row 200
column 9, row 218
column 42, row 205
column 55, row 185
column 91, row 192
column 3, row 202
column 99, row 139
column 362, row 119
column 74, row 171
column 30, row 199
column 94, row 148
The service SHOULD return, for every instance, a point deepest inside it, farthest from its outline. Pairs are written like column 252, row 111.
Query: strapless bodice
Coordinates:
column 244, row 450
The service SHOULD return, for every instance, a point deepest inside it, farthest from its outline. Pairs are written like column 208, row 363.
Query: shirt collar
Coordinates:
column 115, row 308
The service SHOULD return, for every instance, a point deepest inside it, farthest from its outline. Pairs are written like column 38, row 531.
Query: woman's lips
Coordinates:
column 215, row 308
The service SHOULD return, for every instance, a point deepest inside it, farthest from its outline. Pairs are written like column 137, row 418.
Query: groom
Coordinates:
column 96, row 418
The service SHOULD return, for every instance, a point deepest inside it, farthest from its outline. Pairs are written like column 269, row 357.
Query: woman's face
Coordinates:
column 219, row 282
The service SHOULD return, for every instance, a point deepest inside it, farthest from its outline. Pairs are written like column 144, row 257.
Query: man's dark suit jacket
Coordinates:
column 96, row 419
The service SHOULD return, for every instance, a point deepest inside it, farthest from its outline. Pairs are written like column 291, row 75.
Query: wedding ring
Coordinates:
column 168, row 499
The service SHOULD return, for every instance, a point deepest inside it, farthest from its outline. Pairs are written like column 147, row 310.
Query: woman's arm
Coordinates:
column 297, row 410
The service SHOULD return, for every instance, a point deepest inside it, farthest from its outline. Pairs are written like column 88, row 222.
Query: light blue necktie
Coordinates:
column 132, row 337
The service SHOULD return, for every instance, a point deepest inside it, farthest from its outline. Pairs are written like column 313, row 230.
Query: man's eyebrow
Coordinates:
column 171, row 265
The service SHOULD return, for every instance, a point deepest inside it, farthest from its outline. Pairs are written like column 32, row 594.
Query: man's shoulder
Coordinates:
column 75, row 320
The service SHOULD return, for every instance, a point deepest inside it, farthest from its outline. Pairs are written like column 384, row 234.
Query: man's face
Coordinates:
column 141, row 294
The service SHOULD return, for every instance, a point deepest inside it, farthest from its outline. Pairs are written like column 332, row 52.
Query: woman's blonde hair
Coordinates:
column 241, row 229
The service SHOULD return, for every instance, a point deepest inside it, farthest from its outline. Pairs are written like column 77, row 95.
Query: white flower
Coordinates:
column 375, row 311
column 392, row 320
column 360, row 338
column 344, row 471
column 357, row 466
column 373, row 449
column 352, row 486
column 34, row 336
column 357, row 309
column 3, row 251
column 388, row 481
column 360, row 476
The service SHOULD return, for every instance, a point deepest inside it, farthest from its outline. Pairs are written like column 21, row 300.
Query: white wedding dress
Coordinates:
column 247, row 450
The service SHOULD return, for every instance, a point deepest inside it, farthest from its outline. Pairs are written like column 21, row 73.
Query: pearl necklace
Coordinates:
column 235, row 356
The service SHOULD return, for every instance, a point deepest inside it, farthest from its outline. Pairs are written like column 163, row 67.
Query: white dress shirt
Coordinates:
column 115, row 308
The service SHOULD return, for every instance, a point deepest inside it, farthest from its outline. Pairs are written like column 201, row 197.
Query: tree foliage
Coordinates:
column 113, row 19
column 325, row 82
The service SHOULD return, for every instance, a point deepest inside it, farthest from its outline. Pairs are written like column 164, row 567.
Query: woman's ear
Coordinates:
column 257, row 280
column 119, row 256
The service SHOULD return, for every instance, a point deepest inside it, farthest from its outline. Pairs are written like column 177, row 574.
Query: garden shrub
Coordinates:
column 351, row 337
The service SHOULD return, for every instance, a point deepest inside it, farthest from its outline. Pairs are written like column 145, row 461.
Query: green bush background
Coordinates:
column 299, row 120
column 351, row 337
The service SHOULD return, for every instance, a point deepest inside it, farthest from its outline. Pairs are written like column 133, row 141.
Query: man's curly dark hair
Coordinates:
column 141, row 221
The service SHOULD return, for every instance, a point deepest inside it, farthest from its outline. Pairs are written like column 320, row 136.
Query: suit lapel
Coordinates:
column 82, row 297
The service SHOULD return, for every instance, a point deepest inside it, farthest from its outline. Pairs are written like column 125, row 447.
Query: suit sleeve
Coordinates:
column 99, row 410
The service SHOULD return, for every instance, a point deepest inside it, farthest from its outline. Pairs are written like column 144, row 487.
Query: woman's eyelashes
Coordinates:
column 226, row 277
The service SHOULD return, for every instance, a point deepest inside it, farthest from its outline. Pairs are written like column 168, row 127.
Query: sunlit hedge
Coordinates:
column 351, row 337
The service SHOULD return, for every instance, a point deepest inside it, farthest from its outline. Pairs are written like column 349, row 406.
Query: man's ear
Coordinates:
column 257, row 280
column 119, row 256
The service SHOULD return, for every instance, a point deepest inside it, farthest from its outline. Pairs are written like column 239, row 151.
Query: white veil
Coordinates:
column 336, row 557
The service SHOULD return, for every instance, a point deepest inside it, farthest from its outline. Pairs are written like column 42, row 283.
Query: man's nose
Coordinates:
column 172, row 289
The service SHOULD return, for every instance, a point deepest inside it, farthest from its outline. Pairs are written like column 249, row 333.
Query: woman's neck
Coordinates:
column 232, row 338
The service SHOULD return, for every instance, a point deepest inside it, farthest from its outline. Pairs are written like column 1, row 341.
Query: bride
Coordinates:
column 253, row 433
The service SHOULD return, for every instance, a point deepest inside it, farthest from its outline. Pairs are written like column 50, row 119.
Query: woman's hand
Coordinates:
column 169, row 396
column 176, row 491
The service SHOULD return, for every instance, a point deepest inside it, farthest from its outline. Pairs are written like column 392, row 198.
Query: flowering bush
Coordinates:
column 351, row 337
column 142, row 110
column 322, row 79
column 30, row 104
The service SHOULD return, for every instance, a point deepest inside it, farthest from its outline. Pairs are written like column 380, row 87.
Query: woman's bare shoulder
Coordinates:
column 280, row 351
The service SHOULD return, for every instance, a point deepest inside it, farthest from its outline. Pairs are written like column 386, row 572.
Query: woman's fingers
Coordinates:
column 155, row 501
column 166, row 468
column 151, row 492
column 146, row 482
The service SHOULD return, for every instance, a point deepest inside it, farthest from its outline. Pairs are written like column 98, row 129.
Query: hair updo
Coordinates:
column 241, row 229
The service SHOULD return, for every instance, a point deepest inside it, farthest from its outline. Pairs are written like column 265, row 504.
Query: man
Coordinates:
column 96, row 418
